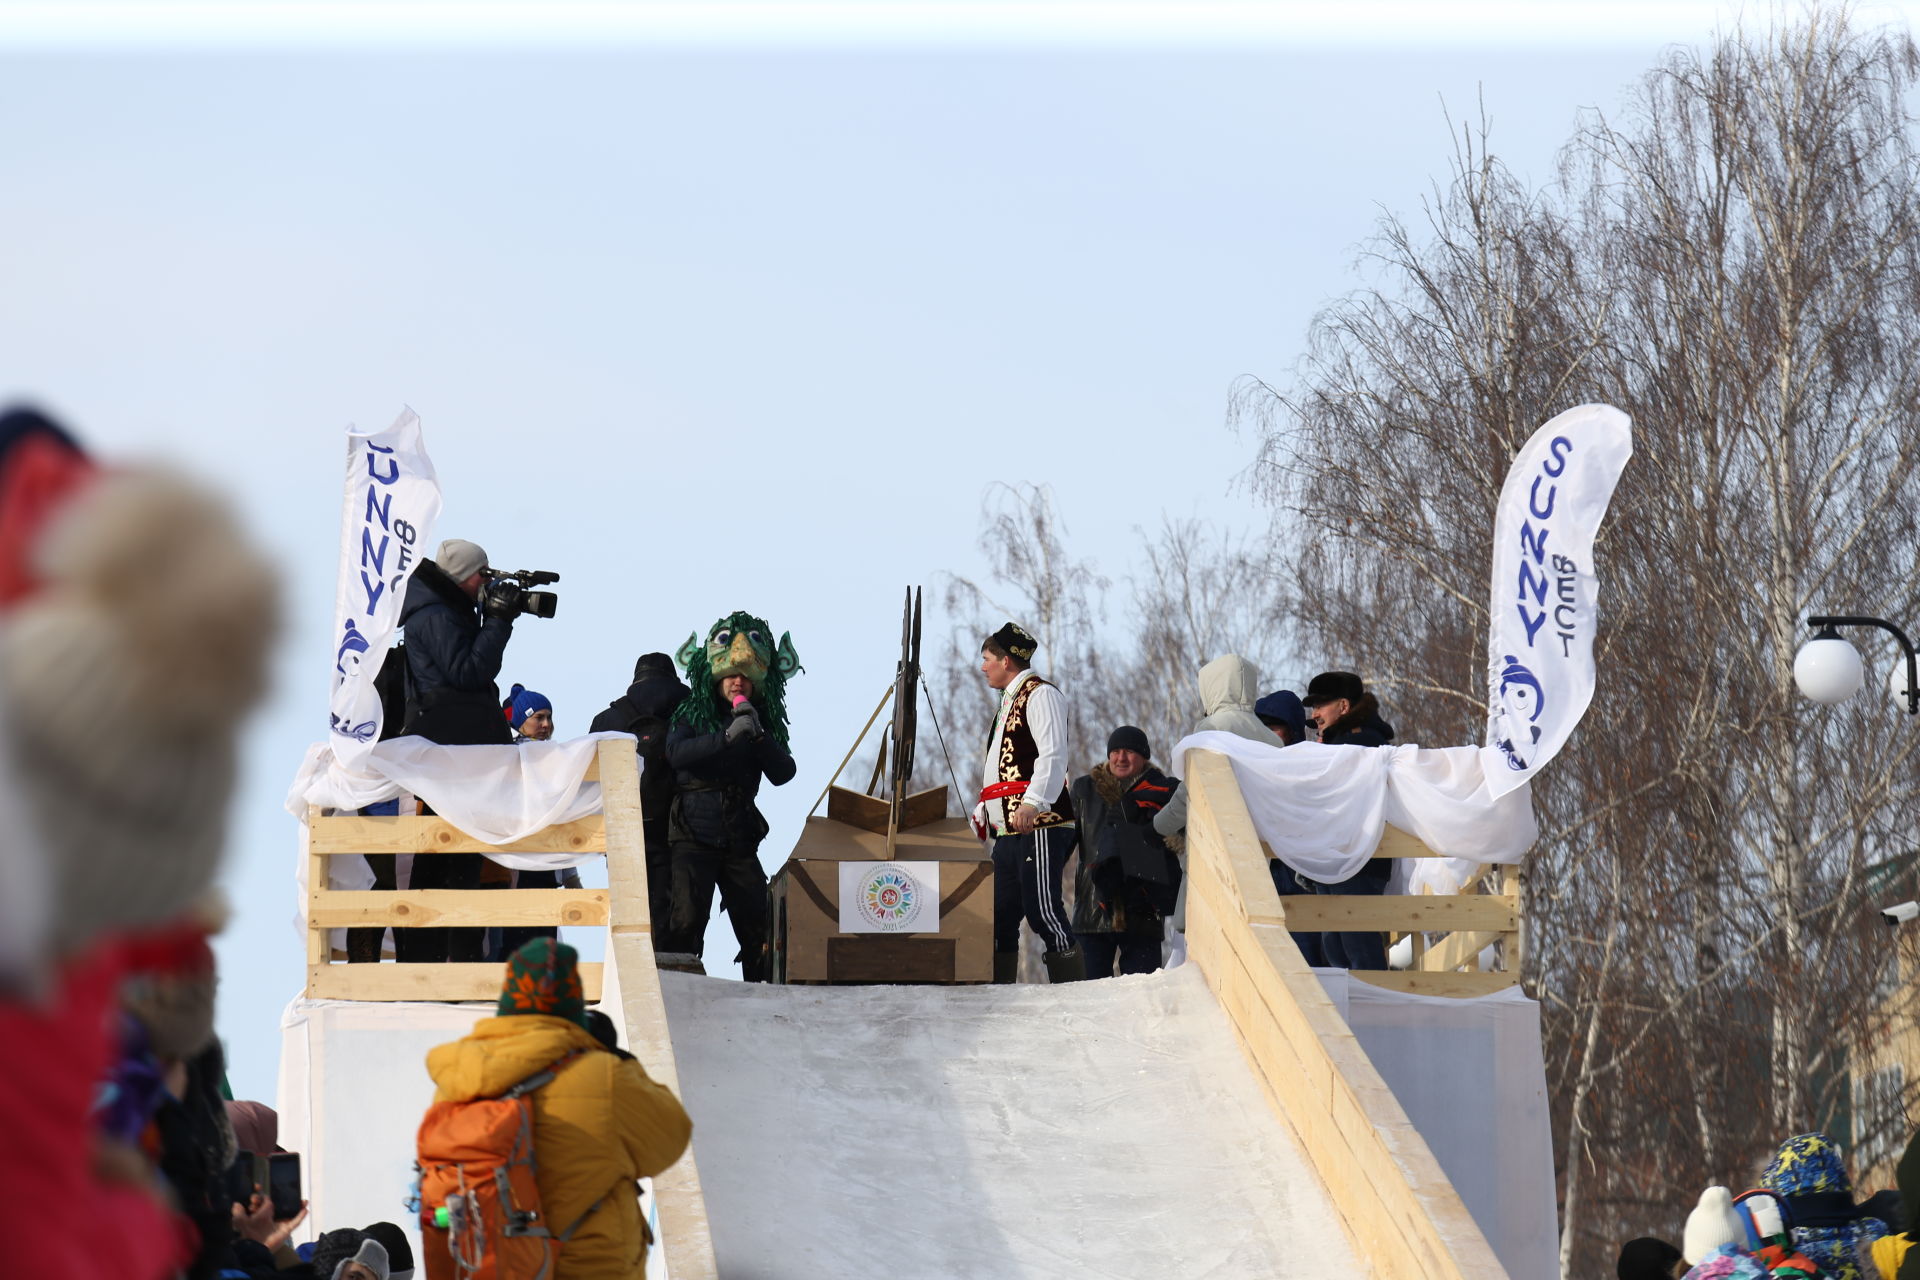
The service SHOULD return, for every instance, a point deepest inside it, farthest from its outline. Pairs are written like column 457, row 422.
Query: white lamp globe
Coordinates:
column 1897, row 682
column 1827, row 669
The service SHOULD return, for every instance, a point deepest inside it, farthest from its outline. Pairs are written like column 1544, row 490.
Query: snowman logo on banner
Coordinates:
column 1521, row 702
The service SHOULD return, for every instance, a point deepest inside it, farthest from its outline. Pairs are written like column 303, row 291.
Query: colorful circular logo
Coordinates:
column 889, row 898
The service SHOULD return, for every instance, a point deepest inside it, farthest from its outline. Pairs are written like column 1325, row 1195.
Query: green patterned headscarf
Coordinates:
column 544, row 977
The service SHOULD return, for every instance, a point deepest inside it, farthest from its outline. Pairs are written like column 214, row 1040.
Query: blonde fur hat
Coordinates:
column 125, row 678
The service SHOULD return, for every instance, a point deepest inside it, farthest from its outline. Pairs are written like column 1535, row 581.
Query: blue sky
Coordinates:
column 743, row 318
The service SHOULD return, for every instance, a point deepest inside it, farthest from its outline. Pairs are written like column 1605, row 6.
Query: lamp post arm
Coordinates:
column 1906, row 646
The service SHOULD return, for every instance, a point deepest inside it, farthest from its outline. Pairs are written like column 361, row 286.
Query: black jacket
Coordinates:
column 715, row 784
column 453, row 657
column 1104, row 901
column 1360, row 727
column 1363, row 727
column 645, row 711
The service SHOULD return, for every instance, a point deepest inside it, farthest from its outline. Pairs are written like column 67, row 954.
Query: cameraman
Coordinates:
column 453, row 649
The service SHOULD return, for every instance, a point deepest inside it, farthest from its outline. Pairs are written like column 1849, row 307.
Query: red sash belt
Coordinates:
column 1000, row 790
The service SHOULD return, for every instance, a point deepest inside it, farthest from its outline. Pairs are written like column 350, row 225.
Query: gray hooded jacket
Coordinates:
column 1229, row 687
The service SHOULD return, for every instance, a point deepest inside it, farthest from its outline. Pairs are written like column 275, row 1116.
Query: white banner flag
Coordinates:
column 1545, row 595
column 889, row 897
column 392, row 502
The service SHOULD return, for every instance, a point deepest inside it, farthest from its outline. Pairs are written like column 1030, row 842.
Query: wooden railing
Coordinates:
column 1404, row 1219
column 1470, row 920
column 621, row 908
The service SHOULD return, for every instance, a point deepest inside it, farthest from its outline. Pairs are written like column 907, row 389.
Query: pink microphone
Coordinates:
column 739, row 700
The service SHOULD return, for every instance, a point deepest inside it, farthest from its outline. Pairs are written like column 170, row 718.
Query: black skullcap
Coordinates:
column 1128, row 738
column 1014, row 639
column 1646, row 1259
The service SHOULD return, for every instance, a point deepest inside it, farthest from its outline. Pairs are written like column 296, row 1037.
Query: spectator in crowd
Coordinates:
column 399, row 1249
column 530, row 714
column 454, row 648
column 1649, row 1259
column 1229, row 686
column 646, row 710
column 349, row 1254
column 256, row 1127
column 135, row 623
column 1116, row 914
column 1282, row 713
column 1714, row 1241
column 1025, row 806
column 1344, row 713
column 1768, row 1239
column 1811, row 1180
column 728, row 734
column 600, row 1125
column 1890, row 1251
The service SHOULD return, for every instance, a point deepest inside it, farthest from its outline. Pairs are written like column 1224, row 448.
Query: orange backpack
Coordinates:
column 480, row 1214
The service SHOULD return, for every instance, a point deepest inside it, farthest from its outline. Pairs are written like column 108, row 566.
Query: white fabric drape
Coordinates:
column 497, row 794
column 1321, row 809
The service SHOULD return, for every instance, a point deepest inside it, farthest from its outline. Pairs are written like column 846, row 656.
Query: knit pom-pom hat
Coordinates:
column 1711, row 1224
column 126, row 674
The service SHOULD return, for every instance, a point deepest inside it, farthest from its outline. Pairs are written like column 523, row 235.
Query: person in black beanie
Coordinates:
column 646, row 710
column 399, row 1251
column 1116, row 915
column 1649, row 1259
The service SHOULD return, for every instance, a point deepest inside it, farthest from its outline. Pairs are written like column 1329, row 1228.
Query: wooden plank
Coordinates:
column 625, row 841
column 419, row 908
column 1455, row 950
column 1436, row 984
column 1362, row 913
column 437, row 982
column 1513, row 884
column 356, row 834
column 1395, row 843
column 1393, row 1202
column 316, row 882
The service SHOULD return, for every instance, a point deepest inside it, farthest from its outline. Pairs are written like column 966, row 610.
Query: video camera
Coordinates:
column 506, row 593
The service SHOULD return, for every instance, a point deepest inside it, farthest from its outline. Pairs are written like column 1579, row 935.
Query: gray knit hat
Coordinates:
column 460, row 559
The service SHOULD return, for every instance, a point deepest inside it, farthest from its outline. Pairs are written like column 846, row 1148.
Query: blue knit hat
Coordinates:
column 523, row 702
column 1282, row 706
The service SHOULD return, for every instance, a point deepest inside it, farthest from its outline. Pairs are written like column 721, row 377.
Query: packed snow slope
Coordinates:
column 1097, row 1129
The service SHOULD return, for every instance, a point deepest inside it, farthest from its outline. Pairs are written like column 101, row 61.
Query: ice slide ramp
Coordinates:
column 1217, row 1120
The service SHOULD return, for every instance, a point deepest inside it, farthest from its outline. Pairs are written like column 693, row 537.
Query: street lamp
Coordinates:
column 1827, row 668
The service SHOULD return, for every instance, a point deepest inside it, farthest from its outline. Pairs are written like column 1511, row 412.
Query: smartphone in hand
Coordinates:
column 283, row 1184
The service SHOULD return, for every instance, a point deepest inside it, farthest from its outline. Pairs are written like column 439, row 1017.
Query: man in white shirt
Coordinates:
column 1024, row 808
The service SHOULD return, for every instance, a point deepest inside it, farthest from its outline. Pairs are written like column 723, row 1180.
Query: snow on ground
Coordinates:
column 1100, row 1129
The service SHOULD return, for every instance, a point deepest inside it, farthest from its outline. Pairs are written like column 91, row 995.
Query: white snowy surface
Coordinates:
column 1097, row 1129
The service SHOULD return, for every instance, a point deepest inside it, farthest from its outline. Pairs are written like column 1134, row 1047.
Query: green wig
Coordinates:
column 738, row 644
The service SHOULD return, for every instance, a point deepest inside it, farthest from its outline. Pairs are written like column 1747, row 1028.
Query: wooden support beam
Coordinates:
column 356, row 834
column 463, row 908
column 1402, row 1215
column 1436, row 984
column 436, row 982
column 1336, row 913
column 1455, row 950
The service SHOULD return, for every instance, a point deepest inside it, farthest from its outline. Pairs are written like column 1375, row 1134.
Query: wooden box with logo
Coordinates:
column 904, row 929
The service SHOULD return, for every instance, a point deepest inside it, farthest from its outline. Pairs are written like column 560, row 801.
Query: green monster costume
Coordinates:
column 738, row 645
column 720, row 754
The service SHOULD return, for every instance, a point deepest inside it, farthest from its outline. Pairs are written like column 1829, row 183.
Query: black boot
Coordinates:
column 1006, row 966
column 1066, row 966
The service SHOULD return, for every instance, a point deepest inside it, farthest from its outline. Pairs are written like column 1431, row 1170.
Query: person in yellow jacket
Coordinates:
column 599, row 1125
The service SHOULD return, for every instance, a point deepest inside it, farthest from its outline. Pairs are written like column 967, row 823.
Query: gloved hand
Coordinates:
column 745, row 725
column 497, row 599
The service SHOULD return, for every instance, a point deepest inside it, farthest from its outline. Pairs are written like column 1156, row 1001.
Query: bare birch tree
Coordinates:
column 1733, row 261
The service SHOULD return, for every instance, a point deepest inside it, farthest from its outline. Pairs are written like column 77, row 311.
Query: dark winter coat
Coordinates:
column 453, row 659
column 644, row 711
column 1360, row 727
column 1363, row 727
column 1099, row 803
column 715, row 785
